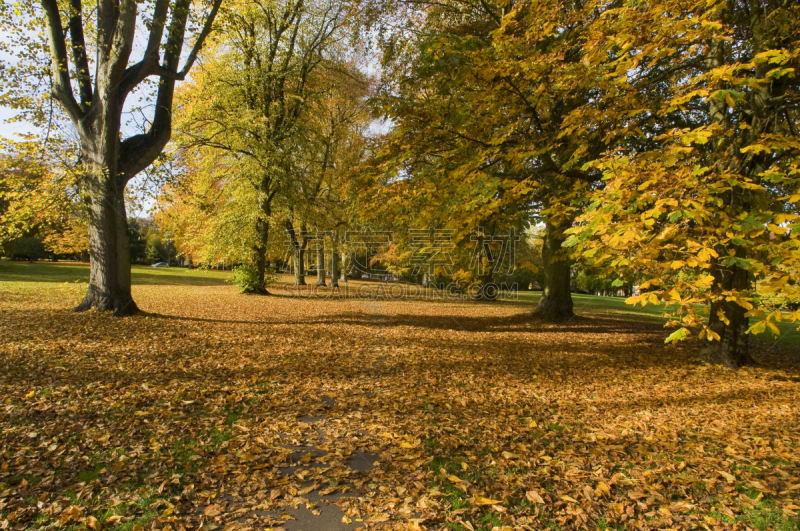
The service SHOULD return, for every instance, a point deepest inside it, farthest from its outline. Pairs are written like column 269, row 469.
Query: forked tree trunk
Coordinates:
column 96, row 115
column 335, row 270
column 556, row 301
column 732, row 350
column 321, row 266
column 109, row 247
column 299, row 252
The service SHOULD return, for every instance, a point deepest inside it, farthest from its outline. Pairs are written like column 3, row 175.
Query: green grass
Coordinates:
column 61, row 272
column 615, row 307
column 590, row 305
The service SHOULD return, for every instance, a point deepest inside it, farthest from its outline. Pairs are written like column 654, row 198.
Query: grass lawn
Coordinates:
column 60, row 272
column 219, row 411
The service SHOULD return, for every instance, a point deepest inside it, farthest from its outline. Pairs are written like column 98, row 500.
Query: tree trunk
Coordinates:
column 260, row 253
column 299, row 252
column 300, row 271
column 488, row 290
column 732, row 349
column 300, row 267
column 321, row 265
column 343, row 272
column 355, row 271
column 335, row 270
column 556, row 301
column 110, row 257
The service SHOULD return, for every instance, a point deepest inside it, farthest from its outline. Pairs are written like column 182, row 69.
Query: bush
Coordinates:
column 27, row 248
column 245, row 277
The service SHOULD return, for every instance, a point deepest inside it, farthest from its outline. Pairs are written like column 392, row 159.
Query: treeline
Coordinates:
column 655, row 141
column 651, row 143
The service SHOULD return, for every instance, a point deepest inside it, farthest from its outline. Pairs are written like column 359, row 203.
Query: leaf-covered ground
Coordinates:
column 225, row 411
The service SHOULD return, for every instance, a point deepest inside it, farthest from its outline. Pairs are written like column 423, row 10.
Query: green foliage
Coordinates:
column 524, row 279
column 25, row 248
column 153, row 255
column 248, row 280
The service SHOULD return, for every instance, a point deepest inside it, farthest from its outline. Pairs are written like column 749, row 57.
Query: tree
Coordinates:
column 209, row 212
column 109, row 162
column 331, row 146
column 478, row 117
column 40, row 197
column 253, row 88
column 711, row 193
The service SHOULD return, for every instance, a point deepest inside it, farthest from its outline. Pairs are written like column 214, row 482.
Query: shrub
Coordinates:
column 245, row 277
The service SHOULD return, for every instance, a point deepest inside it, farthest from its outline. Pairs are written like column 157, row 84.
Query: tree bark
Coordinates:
column 300, row 267
column 110, row 259
column 556, row 302
column 260, row 249
column 321, row 265
column 299, row 252
column 732, row 350
column 335, row 270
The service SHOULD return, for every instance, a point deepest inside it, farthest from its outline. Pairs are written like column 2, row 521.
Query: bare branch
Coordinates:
column 200, row 39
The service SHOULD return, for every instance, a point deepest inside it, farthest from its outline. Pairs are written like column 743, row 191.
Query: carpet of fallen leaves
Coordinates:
column 217, row 410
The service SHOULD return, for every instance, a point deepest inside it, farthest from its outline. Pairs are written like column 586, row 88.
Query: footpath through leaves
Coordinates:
column 217, row 410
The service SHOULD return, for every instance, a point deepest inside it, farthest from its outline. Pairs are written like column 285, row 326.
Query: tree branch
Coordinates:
column 149, row 65
column 79, row 53
column 62, row 89
column 200, row 40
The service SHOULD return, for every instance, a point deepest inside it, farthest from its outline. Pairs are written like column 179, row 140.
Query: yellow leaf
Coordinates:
column 774, row 329
column 455, row 479
column 480, row 500
column 603, row 488
column 534, row 497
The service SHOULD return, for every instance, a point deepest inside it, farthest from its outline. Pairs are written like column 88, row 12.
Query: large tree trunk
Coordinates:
column 321, row 265
column 556, row 301
column 110, row 258
column 732, row 349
